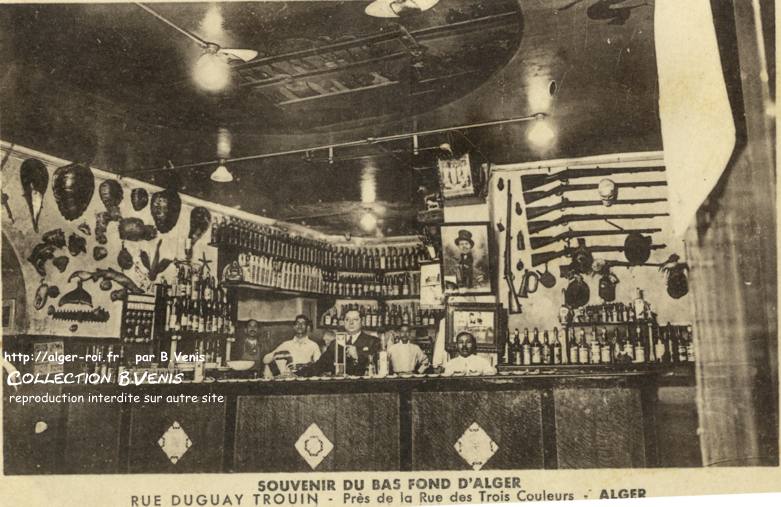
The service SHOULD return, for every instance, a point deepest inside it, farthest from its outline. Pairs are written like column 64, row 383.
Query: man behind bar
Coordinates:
column 361, row 347
column 406, row 357
column 468, row 362
column 300, row 348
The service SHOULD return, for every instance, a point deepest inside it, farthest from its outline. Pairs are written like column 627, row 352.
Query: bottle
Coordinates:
column 595, row 351
column 605, row 350
column 556, row 354
column 526, row 348
column 683, row 355
column 583, row 348
column 689, row 345
column 660, row 352
column 546, row 348
column 640, row 306
column 517, row 352
column 629, row 349
column 572, row 343
column 506, row 357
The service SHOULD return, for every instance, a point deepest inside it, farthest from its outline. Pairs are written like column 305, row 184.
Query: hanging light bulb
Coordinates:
column 212, row 72
column 541, row 134
column 221, row 174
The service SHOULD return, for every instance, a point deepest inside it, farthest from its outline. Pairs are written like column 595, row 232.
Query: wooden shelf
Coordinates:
column 281, row 293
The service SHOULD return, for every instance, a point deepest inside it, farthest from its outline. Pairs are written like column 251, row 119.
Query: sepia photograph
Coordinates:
column 387, row 252
column 466, row 258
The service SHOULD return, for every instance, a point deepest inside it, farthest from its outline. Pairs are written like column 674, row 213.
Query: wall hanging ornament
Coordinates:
column 139, row 198
column 55, row 238
column 165, row 207
column 77, row 296
column 35, row 178
column 76, row 244
column 124, row 258
column 134, row 229
column 200, row 220
column 676, row 276
column 99, row 253
column 156, row 265
column 107, row 274
column 73, row 187
column 41, row 253
column 111, row 194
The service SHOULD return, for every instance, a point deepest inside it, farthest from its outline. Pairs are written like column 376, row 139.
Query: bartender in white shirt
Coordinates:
column 301, row 349
column 406, row 357
column 468, row 362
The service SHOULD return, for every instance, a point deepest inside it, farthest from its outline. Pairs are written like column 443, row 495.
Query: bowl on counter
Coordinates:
column 241, row 365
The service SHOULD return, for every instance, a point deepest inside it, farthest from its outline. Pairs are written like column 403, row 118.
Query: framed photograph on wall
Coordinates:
column 466, row 259
column 431, row 296
column 479, row 319
column 455, row 177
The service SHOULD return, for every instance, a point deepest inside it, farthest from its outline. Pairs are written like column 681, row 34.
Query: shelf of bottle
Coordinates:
column 382, row 328
column 642, row 322
column 198, row 334
column 678, row 374
column 276, row 291
column 411, row 297
column 322, row 265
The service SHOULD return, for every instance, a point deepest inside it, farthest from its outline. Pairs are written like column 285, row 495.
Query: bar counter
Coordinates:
column 525, row 419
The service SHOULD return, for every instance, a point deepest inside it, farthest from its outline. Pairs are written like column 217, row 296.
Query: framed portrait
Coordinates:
column 480, row 319
column 455, row 177
column 431, row 296
column 466, row 259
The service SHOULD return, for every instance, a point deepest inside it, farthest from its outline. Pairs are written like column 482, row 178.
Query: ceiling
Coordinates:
column 111, row 85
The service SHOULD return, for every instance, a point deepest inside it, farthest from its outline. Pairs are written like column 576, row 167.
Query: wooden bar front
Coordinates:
column 526, row 422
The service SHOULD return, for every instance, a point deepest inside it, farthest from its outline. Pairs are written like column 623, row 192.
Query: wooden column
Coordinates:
column 732, row 252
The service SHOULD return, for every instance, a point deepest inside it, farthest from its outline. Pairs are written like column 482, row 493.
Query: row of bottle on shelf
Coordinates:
column 614, row 313
column 269, row 272
column 382, row 316
column 641, row 344
column 269, row 241
column 195, row 302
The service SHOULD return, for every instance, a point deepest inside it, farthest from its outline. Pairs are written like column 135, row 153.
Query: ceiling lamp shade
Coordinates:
column 396, row 8
column 222, row 174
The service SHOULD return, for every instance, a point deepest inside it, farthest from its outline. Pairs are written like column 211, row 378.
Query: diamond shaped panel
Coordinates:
column 175, row 442
column 313, row 445
column 475, row 446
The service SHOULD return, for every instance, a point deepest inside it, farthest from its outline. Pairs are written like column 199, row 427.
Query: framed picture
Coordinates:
column 455, row 177
column 466, row 259
column 431, row 296
column 9, row 314
column 479, row 319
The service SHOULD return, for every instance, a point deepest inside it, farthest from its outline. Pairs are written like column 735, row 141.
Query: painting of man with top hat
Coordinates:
column 465, row 266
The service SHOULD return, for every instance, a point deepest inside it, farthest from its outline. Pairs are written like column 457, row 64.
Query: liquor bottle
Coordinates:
column 605, row 350
column 640, row 306
column 595, row 351
column 660, row 351
column 629, row 348
column 526, row 348
column 683, row 355
column 514, row 349
column 557, row 356
column 583, row 349
column 572, row 344
column 689, row 345
column 546, row 348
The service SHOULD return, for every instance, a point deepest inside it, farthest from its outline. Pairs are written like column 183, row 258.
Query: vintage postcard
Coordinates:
column 387, row 252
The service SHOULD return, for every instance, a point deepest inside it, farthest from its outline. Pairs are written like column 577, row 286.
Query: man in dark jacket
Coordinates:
column 361, row 349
